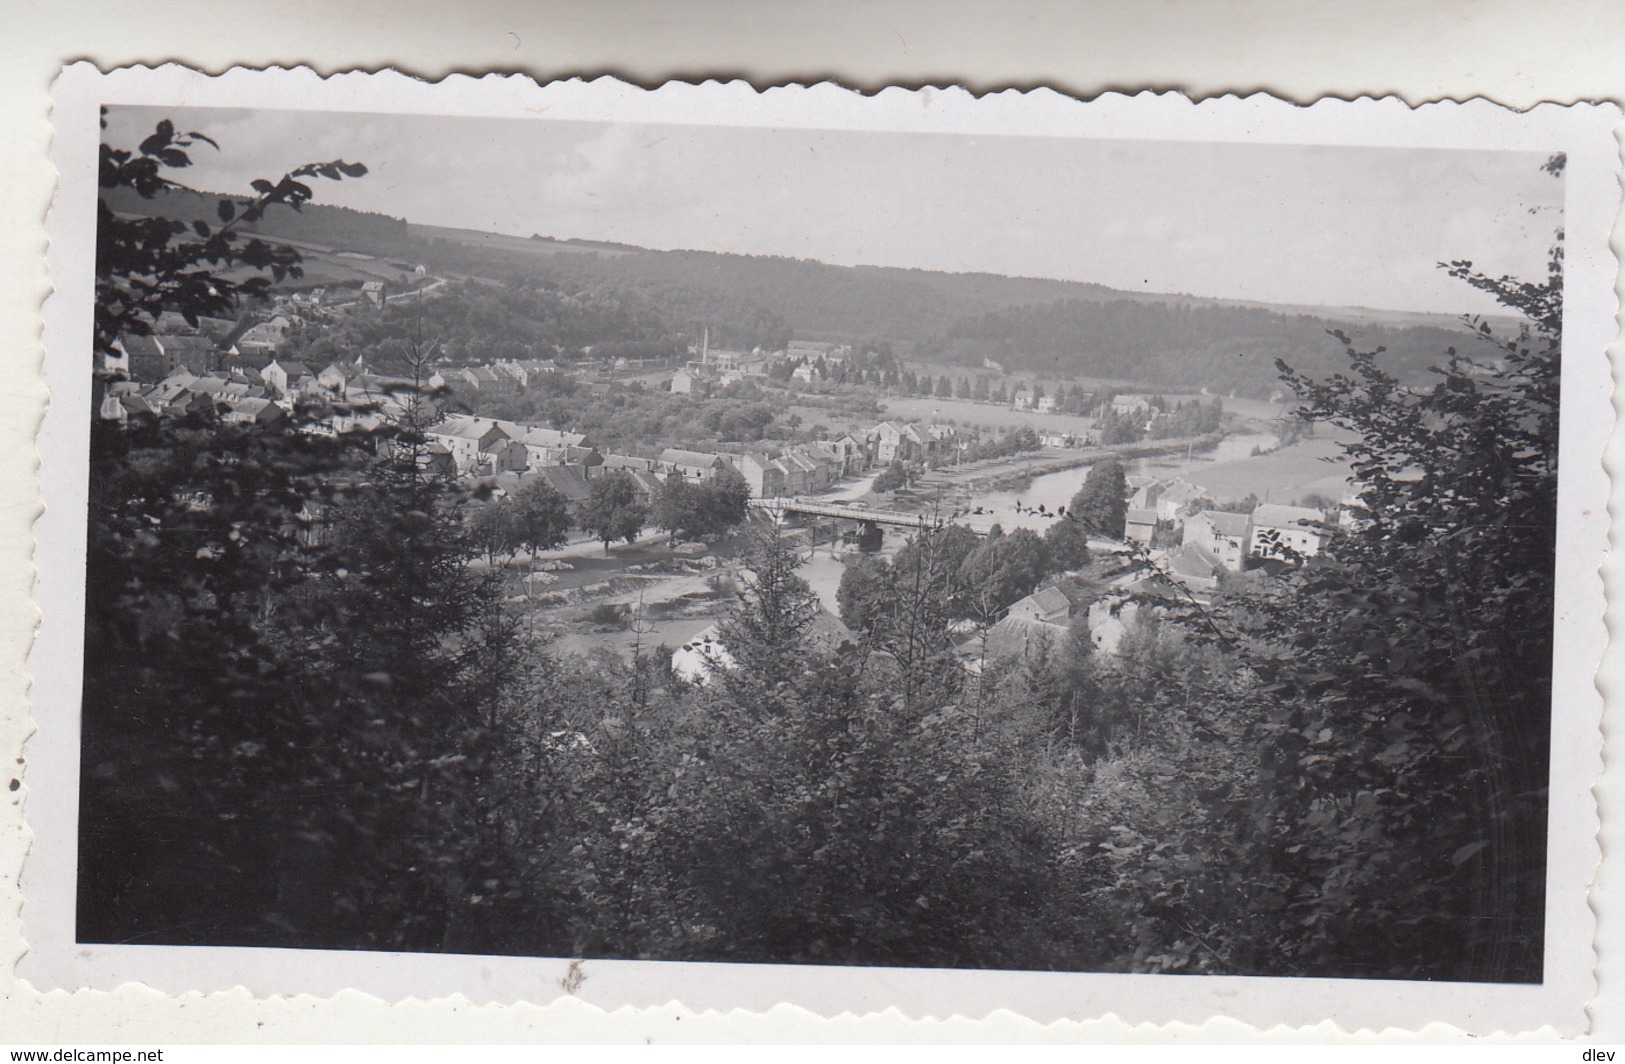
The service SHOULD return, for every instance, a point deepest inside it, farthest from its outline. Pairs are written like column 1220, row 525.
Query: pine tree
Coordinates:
column 766, row 627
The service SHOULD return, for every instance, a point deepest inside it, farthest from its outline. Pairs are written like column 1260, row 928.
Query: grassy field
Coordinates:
column 1313, row 465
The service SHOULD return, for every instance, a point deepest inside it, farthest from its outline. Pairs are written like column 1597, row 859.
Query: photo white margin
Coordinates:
column 1584, row 131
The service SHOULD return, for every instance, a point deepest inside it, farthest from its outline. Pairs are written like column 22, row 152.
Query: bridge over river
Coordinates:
column 777, row 508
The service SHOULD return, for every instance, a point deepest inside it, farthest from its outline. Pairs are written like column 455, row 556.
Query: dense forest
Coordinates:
column 350, row 740
column 1189, row 345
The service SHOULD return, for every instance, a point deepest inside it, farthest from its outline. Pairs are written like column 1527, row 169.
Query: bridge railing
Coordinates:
column 790, row 504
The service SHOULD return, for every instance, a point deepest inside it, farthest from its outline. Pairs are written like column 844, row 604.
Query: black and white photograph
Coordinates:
column 743, row 543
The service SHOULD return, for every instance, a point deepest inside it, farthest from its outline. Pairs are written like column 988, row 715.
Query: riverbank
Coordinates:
column 1001, row 474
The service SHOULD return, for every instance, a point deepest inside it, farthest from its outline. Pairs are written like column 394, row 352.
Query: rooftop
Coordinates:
column 1225, row 523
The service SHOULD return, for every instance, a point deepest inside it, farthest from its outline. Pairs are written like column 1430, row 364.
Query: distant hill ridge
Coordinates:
column 1029, row 324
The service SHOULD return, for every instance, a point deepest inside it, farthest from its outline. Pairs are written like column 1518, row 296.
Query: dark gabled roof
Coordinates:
column 1193, row 560
column 1076, row 594
column 134, row 345
column 1225, row 523
column 678, row 456
column 207, row 386
column 1051, row 599
column 1017, row 637
column 626, row 461
column 647, row 482
column 567, row 480
column 254, row 407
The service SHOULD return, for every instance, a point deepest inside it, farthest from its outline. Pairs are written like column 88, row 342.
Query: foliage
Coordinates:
column 541, row 516
column 910, row 616
column 1448, row 583
column 861, row 595
column 492, row 530
column 629, row 417
column 998, row 573
column 894, row 477
column 1404, row 681
column 291, row 670
column 614, row 510
column 146, row 264
column 1101, row 505
column 766, row 627
column 694, row 511
column 1170, row 344
column 474, row 322
column 1067, row 541
column 308, row 718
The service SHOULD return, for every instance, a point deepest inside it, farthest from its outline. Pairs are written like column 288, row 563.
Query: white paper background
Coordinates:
column 1518, row 53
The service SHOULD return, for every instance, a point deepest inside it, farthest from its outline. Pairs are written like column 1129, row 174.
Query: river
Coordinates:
column 1051, row 491
column 1229, row 471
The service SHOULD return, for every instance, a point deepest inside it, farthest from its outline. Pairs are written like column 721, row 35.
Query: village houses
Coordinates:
column 697, row 464
column 1139, row 525
column 892, row 442
column 281, row 376
column 154, row 357
column 1226, row 536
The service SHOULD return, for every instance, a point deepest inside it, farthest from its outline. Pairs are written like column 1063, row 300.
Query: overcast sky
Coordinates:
column 1309, row 225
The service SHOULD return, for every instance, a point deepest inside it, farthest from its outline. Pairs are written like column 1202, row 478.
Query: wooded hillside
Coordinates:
column 1027, row 324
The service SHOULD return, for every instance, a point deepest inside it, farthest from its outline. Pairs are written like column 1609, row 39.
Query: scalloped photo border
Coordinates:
column 1584, row 131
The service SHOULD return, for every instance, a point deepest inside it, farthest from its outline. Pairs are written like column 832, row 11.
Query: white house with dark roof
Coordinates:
column 265, row 338
column 335, row 378
column 543, row 446
column 478, row 379
column 168, row 390
column 1048, row 604
column 1286, row 531
column 280, row 376
column 478, row 445
column 683, row 381
column 849, row 451
column 764, row 476
column 1226, row 536
column 896, row 442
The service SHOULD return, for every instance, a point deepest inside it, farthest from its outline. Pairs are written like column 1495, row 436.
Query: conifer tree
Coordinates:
column 766, row 627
